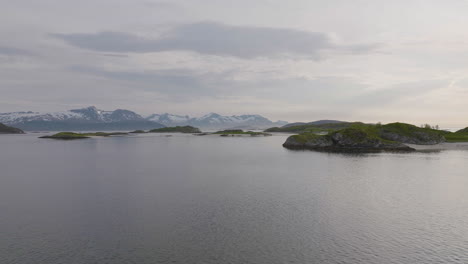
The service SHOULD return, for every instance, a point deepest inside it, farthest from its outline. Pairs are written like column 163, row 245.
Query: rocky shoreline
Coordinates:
column 360, row 137
column 346, row 140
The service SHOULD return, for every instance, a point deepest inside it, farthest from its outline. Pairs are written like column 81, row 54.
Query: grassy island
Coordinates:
column 138, row 132
column 368, row 137
column 72, row 135
column 239, row 132
column 176, row 129
column 458, row 136
column 313, row 128
column 345, row 140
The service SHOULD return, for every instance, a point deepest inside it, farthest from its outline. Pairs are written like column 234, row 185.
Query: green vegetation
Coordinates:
column 393, row 132
column 408, row 129
column 371, row 137
column 464, row 130
column 234, row 132
column 459, row 136
column 411, row 134
column 66, row 136
column 361, row 138
column 9, row 130
column 177, row 129
column 104, row 134
column 315, row 128
column 72, row 135
column 400, row 132
column 456, row 137
column 138, row 132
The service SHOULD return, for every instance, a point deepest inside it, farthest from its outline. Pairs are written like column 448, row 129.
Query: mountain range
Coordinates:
column 216, row 121
column 91, row 118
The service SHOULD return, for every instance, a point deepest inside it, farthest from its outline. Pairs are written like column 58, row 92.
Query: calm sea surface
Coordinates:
column 187, row 199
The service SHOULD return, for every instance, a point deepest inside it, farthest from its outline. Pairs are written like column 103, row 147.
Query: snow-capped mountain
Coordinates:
column 215, row 121
column 169, row 119
column 92, row 118
column 89, row 118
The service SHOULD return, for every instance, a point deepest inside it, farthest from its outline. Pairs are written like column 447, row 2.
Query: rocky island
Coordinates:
column 4, row 129
column 176, row 129
column 240, row 132
column 359, row 137
column 72, row 135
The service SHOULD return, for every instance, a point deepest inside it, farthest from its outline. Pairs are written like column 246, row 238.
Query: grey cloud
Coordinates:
column 174, row 82
column 9, row 51
column 215, row 39
column 114, row 55
column 393, row 93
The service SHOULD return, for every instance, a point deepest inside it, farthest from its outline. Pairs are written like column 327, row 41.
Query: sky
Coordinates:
column 298, row 60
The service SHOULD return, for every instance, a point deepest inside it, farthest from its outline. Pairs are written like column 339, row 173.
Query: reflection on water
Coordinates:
column 186, row 199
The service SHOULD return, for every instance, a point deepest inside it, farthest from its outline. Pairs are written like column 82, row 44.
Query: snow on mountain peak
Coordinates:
column 212, row 120
column 88, row 114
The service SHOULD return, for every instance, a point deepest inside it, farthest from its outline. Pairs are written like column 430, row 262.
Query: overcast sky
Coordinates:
column 301, row 60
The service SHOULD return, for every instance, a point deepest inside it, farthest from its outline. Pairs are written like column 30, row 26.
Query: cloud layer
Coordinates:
column 215, row 39
column 9, row 51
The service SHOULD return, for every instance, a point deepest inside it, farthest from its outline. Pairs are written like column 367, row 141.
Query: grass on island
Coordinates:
column 356, row 133
column 67, row 135
column 400, row 128
column 459, row 136
column 233, row 132
column 176, row 129
column 376, row 131
column 72, row 135
column 317, row 128
column 456, row 137
column 138, row 132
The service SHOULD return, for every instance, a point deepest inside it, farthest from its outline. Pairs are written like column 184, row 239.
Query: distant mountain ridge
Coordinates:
column 215, row 121
column 92, row 119
column 318, row 122
column 89, row 118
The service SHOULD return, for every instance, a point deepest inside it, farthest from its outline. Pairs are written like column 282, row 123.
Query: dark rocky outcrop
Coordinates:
column 10, row 130
column 346, row 140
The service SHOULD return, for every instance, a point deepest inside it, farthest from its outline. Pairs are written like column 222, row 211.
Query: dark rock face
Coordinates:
column 346, row 140
column 10, row 130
